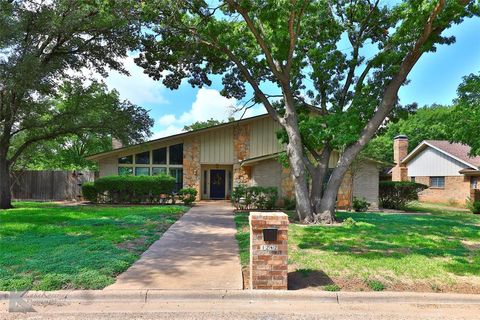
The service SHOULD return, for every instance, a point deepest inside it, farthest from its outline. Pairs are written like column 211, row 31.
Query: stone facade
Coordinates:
column 241, row 151
column 191, row 164
column 288, row 189
column 344, row 196
column 268, row 259
column 455, row 192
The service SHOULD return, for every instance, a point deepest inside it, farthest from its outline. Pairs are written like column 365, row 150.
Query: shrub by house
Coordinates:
column 130, row 189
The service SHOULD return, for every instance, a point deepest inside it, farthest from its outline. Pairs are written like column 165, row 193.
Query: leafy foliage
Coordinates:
column 297, row 50
column 466, row 114
column 289, row 204
column 89, row 192
column 473, row 206
column 187, row 195
column 45, row 49
column 204, row 124
column 64, row 153
column 397, row 194
column 255, row 197
column 360, row 205
column 428, row 123
column 375, row 285
column 133, row 189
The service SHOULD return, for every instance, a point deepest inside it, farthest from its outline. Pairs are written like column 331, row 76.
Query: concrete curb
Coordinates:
column 145, row 296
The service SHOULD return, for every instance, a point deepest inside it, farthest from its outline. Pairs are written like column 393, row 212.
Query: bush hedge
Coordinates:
column 360, row 205
column 473, row 206
column 263, row 198
column 89, row 192
column 396, row 194
column 130, row 189
column 187, row 195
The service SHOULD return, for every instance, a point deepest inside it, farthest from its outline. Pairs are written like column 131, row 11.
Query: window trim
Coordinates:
column 134, row 164
column 436, row 186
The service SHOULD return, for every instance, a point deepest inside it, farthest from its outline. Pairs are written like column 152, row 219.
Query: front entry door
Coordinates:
column 217, row 184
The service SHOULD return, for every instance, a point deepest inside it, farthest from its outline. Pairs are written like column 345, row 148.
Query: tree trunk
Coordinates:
column 317, row 189
column 319, row 172
column 5, row 194
column 295, row 157
column 326, row 214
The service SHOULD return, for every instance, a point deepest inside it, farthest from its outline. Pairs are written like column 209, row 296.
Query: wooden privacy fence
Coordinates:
column 49, row 185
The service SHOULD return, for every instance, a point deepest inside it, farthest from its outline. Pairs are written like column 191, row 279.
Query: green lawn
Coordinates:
column 44, row 246
column 436, row 252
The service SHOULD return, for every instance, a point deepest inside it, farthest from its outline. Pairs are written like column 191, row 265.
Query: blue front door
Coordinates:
column 217, row 184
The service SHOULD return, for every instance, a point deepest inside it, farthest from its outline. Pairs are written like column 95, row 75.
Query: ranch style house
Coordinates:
column 448, row 170
column 215, row 159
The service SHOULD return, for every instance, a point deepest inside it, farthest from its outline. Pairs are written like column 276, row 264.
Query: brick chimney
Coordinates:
column 116, row 144
column 400, row 151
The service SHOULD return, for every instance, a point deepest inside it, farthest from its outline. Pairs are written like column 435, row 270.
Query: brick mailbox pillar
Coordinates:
column 268, row 250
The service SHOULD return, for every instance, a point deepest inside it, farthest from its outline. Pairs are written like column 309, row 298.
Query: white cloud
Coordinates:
column 138, row 87
column 167, row 119
column 209, row 103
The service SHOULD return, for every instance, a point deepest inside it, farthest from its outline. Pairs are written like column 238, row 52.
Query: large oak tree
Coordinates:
column 344, row 60
column 44, row 46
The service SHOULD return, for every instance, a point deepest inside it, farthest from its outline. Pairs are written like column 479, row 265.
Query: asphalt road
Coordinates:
column 233, row 310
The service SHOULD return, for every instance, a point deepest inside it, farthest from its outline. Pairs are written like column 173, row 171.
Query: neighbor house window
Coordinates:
column 177, row 173
column 437, row 182
column 142, row 171
column 125, row 171
column 159, row 156
column 412, row 179
column 142, row 158
column 176, row 154
column 474, row 182
column 125, row 160
column 158, row 170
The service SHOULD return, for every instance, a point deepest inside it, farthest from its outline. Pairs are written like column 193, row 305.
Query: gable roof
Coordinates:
column 457, row 151
column 101, row 155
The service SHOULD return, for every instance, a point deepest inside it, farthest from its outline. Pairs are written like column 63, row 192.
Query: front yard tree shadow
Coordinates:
column 307, row 278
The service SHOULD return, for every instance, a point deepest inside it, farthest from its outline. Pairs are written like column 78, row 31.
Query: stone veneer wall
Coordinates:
column 288, row 190
column 345, row 192
column 191, row 164
column 456, row 191
column 241, row 151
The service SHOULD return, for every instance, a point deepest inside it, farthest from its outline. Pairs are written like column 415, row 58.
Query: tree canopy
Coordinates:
column 47, row 51
column 344, row 61
column 458, row 122
column 205, row 124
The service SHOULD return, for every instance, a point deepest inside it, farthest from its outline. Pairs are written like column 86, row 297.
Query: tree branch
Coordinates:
column 274, row 65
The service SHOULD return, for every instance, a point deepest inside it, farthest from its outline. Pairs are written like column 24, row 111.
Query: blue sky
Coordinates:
column 433, row 80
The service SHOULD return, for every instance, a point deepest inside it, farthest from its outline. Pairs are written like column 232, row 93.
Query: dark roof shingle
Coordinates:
column 458, row 150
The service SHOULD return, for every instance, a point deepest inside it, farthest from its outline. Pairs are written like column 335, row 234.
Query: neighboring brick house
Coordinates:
column 448, row 170
column 213, row 160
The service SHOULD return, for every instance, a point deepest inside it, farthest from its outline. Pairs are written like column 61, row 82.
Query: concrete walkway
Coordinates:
column 199, row 251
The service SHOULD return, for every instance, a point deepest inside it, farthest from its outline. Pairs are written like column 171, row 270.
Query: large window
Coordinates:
column 165, row 160
column 437, row 182
column 159, row 156
column 126, row 160
column 177, row 173
column 125, row 171
column 142, row 171
column 159, row 170
column 142, row 158
column 176, row 154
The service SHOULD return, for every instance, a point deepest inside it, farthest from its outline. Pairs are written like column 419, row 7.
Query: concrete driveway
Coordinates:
column 199, row 251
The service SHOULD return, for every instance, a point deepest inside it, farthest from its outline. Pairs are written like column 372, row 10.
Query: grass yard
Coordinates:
column 44, row 246
column 439, row 252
